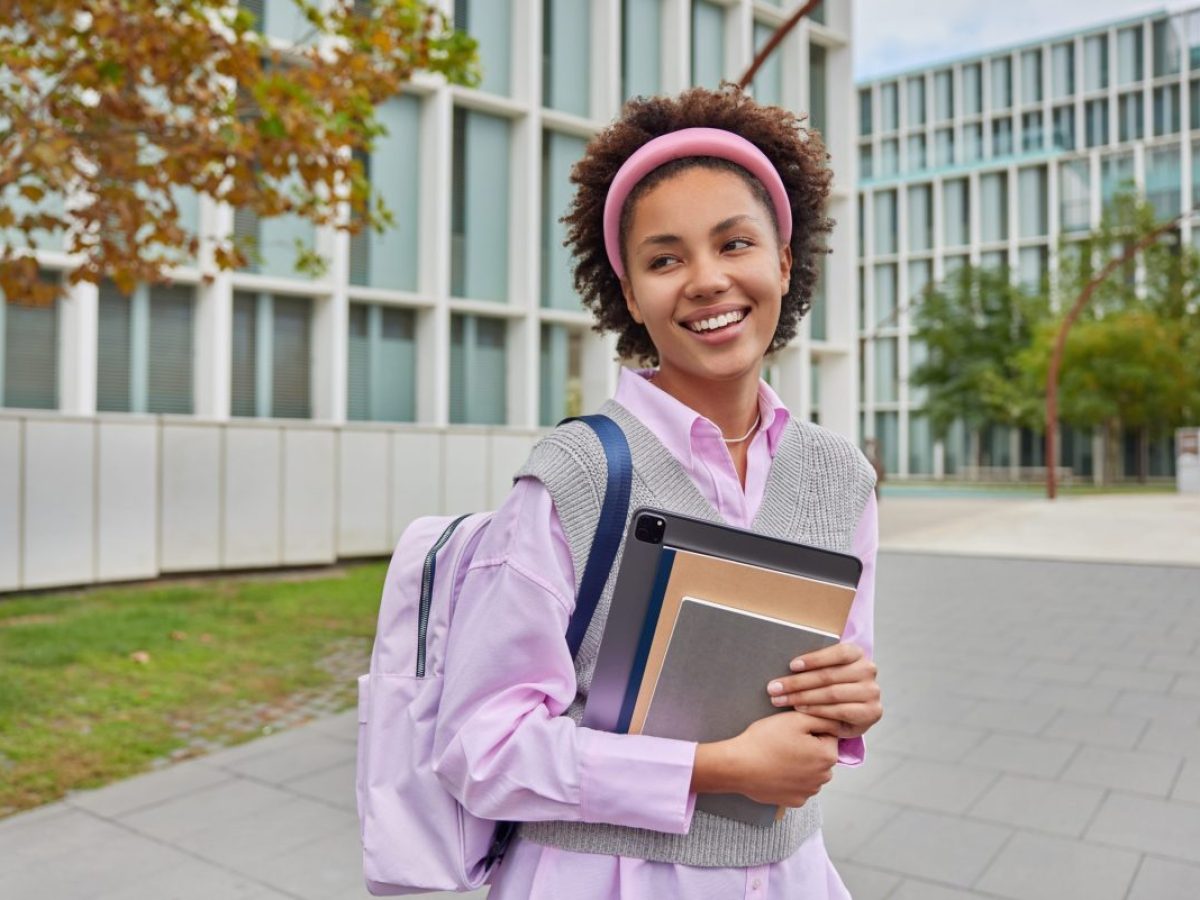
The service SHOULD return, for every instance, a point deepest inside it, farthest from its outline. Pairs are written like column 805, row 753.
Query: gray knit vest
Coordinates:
column 815, row 494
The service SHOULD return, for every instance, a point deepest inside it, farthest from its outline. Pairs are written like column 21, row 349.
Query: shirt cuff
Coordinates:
column 851, row 751
column 636, row 780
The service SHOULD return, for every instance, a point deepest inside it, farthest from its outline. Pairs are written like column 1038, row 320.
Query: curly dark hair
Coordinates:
column 797, row 153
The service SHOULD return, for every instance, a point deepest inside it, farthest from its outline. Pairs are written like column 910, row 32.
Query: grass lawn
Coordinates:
column 97, row 685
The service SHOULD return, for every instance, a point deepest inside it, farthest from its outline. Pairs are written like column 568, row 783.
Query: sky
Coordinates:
column 893, row 35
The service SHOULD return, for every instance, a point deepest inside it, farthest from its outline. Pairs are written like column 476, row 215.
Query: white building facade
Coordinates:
column 265, row 418
column 992, row 159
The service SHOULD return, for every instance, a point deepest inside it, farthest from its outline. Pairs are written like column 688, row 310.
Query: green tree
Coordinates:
column 109, row 108
column 974, row 325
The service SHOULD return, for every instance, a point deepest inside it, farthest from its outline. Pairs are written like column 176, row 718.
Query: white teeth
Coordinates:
column 718, row 321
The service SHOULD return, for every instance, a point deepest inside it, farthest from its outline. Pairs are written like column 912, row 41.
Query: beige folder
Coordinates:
column 780, row 595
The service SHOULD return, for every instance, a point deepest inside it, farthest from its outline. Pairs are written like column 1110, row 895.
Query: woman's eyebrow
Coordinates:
column 660, row 239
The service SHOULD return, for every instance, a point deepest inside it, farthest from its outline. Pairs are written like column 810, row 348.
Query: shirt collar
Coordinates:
column 678, row 426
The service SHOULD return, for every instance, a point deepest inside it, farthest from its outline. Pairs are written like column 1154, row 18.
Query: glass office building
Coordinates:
column 459, row 324
column 993, row 160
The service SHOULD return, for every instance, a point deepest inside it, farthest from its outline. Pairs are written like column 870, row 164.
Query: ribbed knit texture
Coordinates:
column 816, row 492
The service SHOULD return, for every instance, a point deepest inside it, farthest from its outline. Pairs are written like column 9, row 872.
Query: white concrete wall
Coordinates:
column 119, row 497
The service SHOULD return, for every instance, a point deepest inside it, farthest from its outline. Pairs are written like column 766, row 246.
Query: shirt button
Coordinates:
column 756, row 884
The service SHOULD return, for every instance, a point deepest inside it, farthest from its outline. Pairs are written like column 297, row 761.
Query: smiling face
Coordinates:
column 705, row 274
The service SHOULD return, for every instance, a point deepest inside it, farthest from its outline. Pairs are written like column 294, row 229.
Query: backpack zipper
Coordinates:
column 427, row 573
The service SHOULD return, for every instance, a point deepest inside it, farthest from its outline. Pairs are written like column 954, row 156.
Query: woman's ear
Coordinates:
column 785, row 269
column 631, row 303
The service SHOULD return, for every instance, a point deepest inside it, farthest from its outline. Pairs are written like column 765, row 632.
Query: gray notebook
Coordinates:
column 713, row 683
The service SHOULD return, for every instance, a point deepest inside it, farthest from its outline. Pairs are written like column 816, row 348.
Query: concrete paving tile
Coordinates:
column 1133, row 679
column 1139, row 772
column 154, row 787
column 1044, row 867
column 994, row 687
column 860, row 779
column 1179, row 663
column 935, row 740
column 1038, row 756
column 220, row 804
column 935, row 847
column 269, row 832
column 278, row 742
column 938, row 786
column 912, row 889
column 1148, row 824
column 192, row 879
column 1119, row 732
column 1065, row 672
column 1016, row 716
column 1186, row 686
column 316, row 752
column 1187, row 786
column 1168, row 707
column 328, row 867
column 1032, row 803
column 334, row 786
column 1172, row 737
column 1161, row 879
column 866, row 884
column 931, row 705
column 34, row 838
column 342, row 726
column 850, row 821
column 1079, row 697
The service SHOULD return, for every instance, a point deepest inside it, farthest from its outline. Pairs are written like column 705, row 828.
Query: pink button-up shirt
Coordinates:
column 505, row 750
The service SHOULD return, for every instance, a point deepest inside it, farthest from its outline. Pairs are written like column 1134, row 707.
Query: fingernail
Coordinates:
column 779, row 701
column 775, row 687
column 797, row 665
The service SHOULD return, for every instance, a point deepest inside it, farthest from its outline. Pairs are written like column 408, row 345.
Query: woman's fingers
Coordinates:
column 837, row 655
column 853, row 692
column 862, row 670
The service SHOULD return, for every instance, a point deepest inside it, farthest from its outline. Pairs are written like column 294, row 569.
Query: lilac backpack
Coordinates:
column 417, row 837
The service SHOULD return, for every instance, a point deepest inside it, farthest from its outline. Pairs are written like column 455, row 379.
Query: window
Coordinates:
column 1116, row 175
column 768, row 81
column 885, row 222
column 889, row 157
column 1002, row 144
column 1194, row 104
column 708, row 43
column 956, row 217
column 994, row 260
column 144, row 349
column 478, row 371
column 972, row 142
column 1033, row 201
column 559, row 153
column 270, row 243
column 916, row 101
column 641, row 48
column 1032, row 267
column 944, row 146
column 1095, row 62
column 943, row 95
column 916, row 152
column 1032, row 136
column 1129, row 55
column 271, row 356
column 1074, row 196
column 278, row 18
column 381, row 364
column 1031, row 76
column 885, row 297
column 817, row 314
column 1130, row 116
column 1064, row 128
column 1062, row 71
column 30, row 371
column 864, row 112
column 889, row 103
column 920, row 273
column 490, row 23
column 389, row 259
column 1095, row 116
column 817, row 88
column 887, row 373
column 566, row 55
column 972, row 87
column 1166, row 109
column 887, row 437
column 561, row 371
column 1195, row 176
column 1162, row 180
column 993, row 207
column 1001, row 83
column 920, row 434
column 1192, row 23
column 1166, row 47
column 479, row 207
column 920, row 218
column 865, row 167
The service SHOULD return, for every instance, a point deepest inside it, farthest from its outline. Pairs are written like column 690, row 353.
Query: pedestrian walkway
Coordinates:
column 1041, row 740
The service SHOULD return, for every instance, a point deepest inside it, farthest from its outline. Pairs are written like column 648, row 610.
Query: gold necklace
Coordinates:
column 757, row 419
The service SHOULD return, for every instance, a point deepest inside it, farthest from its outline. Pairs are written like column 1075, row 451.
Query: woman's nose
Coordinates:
column 708, row 277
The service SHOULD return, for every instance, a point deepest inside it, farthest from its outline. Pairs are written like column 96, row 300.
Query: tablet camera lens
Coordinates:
column 649, row 529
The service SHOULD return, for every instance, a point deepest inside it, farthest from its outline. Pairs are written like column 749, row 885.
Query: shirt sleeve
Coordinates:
column 860, row 624
column 502, row 746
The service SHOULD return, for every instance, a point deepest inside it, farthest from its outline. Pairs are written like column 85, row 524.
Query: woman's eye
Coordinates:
column 738, row 244
column 659, row 261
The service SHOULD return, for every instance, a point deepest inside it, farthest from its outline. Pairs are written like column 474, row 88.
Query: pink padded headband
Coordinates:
column 690, row 142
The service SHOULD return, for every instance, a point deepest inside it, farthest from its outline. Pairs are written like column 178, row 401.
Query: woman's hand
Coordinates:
column 782, row 759
column 835, row 683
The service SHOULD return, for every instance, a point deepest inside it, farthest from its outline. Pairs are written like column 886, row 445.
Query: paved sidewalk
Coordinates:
column 1042, row 740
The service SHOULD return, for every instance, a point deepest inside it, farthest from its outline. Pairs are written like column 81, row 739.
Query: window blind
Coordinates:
column 169, row 388
column 244, row 346
column 291, row 359
column 30, row 355
column 357, row 391
column 113, row 350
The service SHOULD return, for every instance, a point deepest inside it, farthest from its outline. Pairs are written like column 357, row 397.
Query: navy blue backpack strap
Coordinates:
column 610, row 527
column 613, row 512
